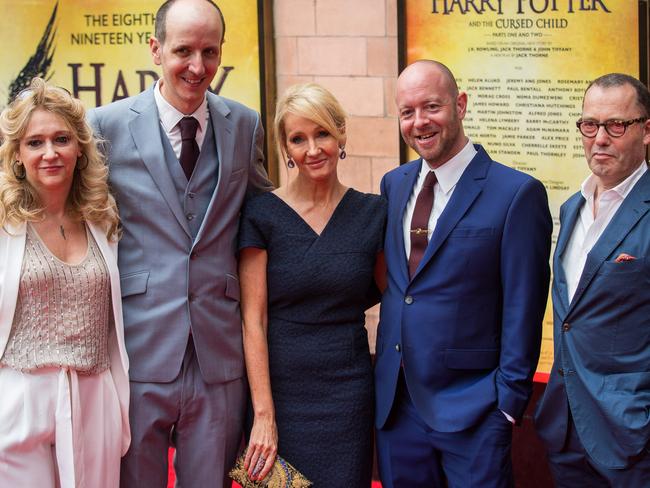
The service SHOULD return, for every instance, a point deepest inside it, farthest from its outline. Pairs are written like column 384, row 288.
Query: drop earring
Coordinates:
column 343, row 154
column 19, row 170
column 290, row 163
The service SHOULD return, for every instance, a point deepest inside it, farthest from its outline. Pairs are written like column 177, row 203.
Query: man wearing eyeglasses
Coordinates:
column 595, row 414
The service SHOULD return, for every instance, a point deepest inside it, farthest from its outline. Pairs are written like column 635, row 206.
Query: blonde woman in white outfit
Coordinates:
column 63, row 366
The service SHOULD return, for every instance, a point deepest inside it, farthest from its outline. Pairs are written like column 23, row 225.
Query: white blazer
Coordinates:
column 12, row 250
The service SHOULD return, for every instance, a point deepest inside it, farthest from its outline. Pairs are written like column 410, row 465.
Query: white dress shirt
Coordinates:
column 447, row 175
column 592, row 222
column 170, row 117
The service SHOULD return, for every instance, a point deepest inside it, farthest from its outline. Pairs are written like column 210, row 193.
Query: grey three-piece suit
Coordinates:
column 178, row 270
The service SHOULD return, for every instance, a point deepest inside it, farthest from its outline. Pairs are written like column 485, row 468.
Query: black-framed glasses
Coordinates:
column 615, row 128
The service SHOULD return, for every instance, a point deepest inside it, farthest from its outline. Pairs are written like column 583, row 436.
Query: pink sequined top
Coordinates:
column 63, row 311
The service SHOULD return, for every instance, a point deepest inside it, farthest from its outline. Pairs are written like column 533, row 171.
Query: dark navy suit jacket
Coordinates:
column 467, row 327
column 602, row 338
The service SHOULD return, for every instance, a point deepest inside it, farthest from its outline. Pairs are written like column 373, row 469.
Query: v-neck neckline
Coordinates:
column 49, row 252
column 329, row 221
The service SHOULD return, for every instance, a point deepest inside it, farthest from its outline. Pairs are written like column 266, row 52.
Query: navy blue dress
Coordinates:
column 318, row 289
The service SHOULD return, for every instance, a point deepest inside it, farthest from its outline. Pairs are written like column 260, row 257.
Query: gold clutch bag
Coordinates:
column 282, row 475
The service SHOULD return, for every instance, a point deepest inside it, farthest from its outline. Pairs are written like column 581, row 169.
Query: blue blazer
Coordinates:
column 602, row 339
column 467, row 327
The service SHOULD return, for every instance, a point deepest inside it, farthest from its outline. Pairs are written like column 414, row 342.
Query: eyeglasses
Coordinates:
column 615, row 128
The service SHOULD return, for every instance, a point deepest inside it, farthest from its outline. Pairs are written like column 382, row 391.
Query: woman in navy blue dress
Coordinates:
column 310, row 253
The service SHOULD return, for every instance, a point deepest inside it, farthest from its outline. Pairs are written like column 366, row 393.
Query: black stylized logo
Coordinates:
column 40, row 62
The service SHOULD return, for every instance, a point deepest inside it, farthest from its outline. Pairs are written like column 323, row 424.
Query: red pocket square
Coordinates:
column 624, row 257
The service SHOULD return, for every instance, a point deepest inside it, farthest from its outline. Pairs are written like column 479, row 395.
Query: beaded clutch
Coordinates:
column 282, row 475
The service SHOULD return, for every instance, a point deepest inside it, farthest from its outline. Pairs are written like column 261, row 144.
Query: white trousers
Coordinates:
column 59, row 429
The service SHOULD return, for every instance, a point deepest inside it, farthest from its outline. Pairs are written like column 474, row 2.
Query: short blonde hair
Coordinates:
column 313, row 102
column 89, row 197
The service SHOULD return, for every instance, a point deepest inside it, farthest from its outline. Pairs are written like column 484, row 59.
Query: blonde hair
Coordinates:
column 313, row 102
column 89, row 197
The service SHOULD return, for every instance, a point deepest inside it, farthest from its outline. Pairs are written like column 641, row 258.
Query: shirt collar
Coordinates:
column 170, row 116
column 588, row 188
column 450, row 172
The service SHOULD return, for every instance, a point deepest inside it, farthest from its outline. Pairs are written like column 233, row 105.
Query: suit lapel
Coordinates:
column 145, row 130
column 572, row 211
column 633, row 208
column 467, row 190
column 11, row 253
column 223, row 130
column 405, row 188
column 109, row 256
column 110, row 259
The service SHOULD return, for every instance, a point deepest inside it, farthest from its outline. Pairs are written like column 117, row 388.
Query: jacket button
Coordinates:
column 189, row 216
column 560, row 372
column 398, row 348
column 191, row 297
column 408, row 299
column 566, row 327
column 194, row 255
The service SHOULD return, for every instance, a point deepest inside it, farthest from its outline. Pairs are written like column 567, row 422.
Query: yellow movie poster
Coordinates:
column 99, row 50
column 525, row 65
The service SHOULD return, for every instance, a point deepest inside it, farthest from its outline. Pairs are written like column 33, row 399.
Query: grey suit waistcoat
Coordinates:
column 194, row 195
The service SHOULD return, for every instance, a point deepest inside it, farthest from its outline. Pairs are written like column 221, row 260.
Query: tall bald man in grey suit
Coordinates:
column 182, row 160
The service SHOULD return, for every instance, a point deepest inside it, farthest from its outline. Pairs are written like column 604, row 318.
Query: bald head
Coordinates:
column 429, row 67
column 161, row 20
column 431, row 111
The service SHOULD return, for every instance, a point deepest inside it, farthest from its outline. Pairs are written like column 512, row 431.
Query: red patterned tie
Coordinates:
column 420, row 222
column 189, row 147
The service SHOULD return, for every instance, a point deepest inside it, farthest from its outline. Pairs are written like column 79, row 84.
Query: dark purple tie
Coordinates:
column 420, row 222
column 189, row 147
